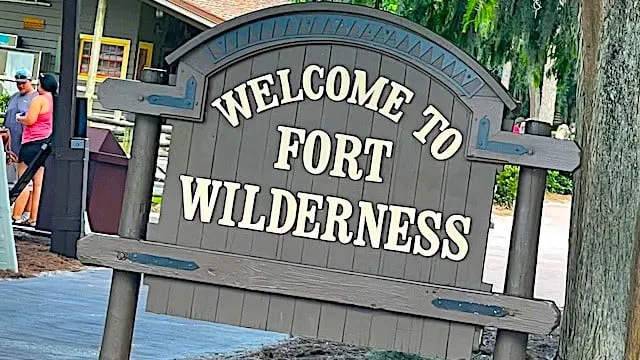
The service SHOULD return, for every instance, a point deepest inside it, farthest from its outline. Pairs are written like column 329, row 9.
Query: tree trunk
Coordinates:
column 534, row 101
column 601, row 280
column 548, row 94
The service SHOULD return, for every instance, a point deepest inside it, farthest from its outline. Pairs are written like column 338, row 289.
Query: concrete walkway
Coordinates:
column 61, row 317
column 552, row 252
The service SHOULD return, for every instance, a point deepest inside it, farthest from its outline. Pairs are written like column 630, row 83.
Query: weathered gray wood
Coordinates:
column 280, row 309
column 225, row 166
column 131, row 96
column 523, row 249
column 403, row 177
column 250, row 168
column 543, row 153
column 171, row 210
column 308, row 116
column 201, row 144
column 158, row 293
column 313, row 283
column 306, row 315
column 331, row 317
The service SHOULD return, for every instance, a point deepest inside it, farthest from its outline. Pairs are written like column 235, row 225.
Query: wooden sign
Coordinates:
column 33, row 24
column 331, row 174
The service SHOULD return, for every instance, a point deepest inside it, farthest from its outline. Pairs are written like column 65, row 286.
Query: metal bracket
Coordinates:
column 469, row 307
column 483, row 143
column 148, row 259
column 186, row 102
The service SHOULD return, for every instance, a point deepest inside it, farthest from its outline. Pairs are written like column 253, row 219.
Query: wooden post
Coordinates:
column 96, row 44
column 523, row 252
column 125, row 286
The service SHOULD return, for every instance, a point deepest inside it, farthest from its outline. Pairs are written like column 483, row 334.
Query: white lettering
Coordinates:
column 398, row 226
column 379, row 147
column 342, row 156
column 249, row 205
column 324, row 152
column 306, row 213
column 360, row 94
column 338, row 217
column 399, row 94
column 286, row 88
column 287, row 147
column 456, row 237
column 230, row 112
column 307, row 82
column 427, row 233
column 280, row 195
column 230, row 197
column 259, row 92
column 345, row 81
column 373, row 226
column 201, row 198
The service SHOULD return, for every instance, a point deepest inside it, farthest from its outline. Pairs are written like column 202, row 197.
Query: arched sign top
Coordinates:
column 350, row 24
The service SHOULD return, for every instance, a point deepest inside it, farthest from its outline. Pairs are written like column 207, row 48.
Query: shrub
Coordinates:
column 4, row 102
column 559, row 183
column 507, row 185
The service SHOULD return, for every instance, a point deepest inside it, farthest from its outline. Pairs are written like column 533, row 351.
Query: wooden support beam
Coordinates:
column 183, row 101
column 96, row 44
column 303, row 281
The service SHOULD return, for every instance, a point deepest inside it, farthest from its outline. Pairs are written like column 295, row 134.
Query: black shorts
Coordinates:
column 29, row 151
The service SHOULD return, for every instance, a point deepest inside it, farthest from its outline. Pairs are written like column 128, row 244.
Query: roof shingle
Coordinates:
column 223, row 10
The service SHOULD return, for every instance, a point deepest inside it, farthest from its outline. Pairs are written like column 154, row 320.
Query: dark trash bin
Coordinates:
column 107, row 176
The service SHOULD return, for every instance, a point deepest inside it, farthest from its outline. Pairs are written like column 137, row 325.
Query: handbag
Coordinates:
column 11, row 157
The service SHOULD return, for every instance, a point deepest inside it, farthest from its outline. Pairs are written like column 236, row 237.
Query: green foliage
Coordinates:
column 506, row 186
column 558, row 183
column 4, row 102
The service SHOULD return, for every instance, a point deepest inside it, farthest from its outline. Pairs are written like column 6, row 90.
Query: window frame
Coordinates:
column 124, row 65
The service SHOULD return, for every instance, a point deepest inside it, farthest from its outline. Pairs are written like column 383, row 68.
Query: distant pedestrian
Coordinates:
column 38, row 129
column 18, row 104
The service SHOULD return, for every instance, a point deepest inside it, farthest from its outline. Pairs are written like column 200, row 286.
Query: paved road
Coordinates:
column 552, row 253
column 61, row 317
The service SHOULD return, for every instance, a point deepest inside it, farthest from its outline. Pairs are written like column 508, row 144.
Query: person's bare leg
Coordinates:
column 23, row 198
column 35, row 195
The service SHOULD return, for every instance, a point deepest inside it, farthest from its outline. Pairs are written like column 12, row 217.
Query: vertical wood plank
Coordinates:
column 280, row 317
column 332, row 317
column 432, row 175
column 158, row 294
column 391, row 263
column 358, row 259
column 357, row 326
column 202, row 142
column 367, row 259
column 225, row 165
column 458, row 177
column 306, row 314
column 359, row 121
column 251, row 169
column 171, row 208
column 280, row 309
column 309, row 116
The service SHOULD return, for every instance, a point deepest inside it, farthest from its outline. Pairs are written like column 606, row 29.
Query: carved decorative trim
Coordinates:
column 350, row 29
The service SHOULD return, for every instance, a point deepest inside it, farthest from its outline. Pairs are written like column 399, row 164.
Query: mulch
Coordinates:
column 300, row 348
column 34, row 258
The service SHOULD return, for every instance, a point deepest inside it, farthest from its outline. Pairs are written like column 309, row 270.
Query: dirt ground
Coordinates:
column 554, row 198
column 539, row 348
column 35, row 258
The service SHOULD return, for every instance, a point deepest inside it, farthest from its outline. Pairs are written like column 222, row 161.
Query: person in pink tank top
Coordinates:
column 37, row 130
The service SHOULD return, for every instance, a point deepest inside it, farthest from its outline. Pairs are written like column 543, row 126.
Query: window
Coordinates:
column 113, row 60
